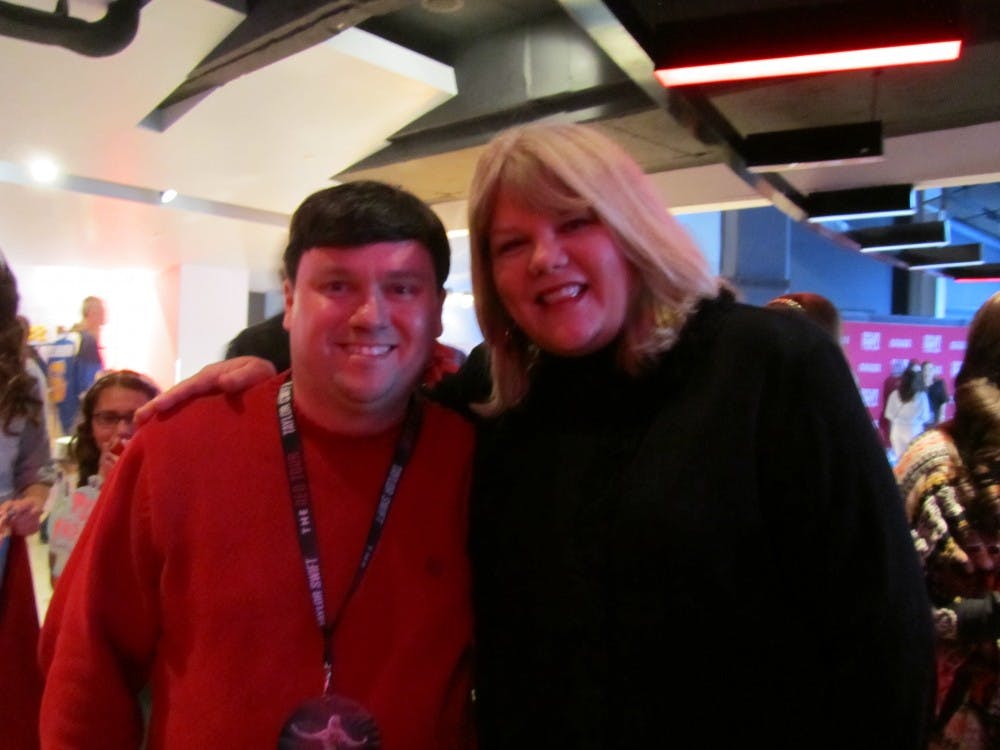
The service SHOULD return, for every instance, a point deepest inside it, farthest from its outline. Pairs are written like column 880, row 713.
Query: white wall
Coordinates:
column 165, row 324
column 138, row 329
column 213, row 309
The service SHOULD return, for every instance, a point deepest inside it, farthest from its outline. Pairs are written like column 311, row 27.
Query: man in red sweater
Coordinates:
column 287, row 566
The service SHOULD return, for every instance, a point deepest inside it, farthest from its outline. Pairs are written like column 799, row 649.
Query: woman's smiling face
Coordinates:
column 560, row 276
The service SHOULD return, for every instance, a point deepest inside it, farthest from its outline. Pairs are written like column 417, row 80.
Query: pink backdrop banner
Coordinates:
column 876, row 351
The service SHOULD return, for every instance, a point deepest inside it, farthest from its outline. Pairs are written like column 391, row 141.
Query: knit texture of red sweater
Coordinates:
column 189, row 576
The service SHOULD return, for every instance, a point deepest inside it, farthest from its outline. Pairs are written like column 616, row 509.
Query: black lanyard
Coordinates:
column 295, row 467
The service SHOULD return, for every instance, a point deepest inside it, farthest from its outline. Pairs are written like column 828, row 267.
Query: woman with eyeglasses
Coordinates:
column 101, row 435
column 950, row 477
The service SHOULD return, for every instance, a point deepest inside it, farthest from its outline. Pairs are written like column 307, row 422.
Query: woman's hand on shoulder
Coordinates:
column 229, row 376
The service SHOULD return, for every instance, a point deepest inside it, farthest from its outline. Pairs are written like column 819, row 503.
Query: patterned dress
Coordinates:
column 953, row 513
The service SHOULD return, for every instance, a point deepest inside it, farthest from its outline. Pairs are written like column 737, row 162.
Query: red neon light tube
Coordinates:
column 879, row 57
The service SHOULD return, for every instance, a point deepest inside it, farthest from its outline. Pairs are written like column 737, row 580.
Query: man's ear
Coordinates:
column 289, row 292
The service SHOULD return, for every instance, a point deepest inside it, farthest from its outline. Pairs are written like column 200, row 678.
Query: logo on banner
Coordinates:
column 955, row 367
column 870, row 367
column 932, row 343
column 871, row 341
column 870, row 397
column 900, row 343
column 956, row 346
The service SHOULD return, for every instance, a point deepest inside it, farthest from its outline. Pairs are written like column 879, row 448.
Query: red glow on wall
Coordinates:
column 879, row 57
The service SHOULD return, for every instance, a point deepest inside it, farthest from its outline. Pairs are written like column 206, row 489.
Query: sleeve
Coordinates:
column 33, row 464
column 99, row 637
column 849, row 548
column 946, row 542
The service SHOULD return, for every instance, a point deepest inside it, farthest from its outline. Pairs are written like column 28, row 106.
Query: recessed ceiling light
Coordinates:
column 43, row 169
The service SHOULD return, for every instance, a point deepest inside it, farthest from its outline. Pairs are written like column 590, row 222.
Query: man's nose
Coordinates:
column 370, row 312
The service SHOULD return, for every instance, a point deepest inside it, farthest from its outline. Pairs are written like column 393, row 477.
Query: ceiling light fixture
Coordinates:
column 901, row 236
column 858, row 203
column 830, row 145
column 987, row 272
column 859, row 59
column 946, row 256
column 167, row 195
column 43, row 169
column 828, row 37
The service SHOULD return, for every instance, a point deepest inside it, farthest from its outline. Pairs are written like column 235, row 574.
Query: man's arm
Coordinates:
column 229, row 376
column 237, row 374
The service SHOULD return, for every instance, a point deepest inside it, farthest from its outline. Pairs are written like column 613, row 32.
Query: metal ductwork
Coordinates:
column 272, row 31
column 547, row 68
column 107, row 36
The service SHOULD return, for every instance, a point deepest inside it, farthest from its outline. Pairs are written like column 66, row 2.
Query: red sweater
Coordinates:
column 189, row 575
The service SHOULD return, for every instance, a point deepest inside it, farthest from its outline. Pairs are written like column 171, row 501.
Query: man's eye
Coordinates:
column 335, row 287
column 403, row 290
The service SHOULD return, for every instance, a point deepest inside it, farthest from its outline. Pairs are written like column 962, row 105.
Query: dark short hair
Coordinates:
column 361, row 213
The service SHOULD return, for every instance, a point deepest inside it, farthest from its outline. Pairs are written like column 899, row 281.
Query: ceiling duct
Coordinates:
column 548, row 68
column 831, row 145
column 273, row 30
column 108, row 36
column 989, row 272
column 861, row 203
column 947, row 256
column 901, row 236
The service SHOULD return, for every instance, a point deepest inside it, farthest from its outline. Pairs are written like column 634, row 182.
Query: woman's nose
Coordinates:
column 546, row 255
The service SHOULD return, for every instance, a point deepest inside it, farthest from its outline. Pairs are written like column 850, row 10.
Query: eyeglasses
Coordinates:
column 112, row 418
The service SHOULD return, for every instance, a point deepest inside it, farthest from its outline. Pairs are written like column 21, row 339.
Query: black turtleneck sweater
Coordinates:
column 711, row 555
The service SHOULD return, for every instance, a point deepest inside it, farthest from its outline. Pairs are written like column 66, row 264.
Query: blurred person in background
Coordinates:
column 105, row 427
column 937, row 392
column 25, row 478
column 816, row 307
column 907, row 410
column 75, row 361
column 950, row 478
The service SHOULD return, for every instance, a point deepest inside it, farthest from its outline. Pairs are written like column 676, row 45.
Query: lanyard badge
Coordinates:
column 332, row 721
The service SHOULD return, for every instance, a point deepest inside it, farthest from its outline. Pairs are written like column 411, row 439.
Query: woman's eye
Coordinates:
column 508, row 246
column 576, row 222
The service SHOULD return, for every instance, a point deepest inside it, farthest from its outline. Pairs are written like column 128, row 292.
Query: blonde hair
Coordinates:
column 558, row 168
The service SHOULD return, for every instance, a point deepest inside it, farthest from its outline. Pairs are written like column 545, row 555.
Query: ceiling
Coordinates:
column 245, row 108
